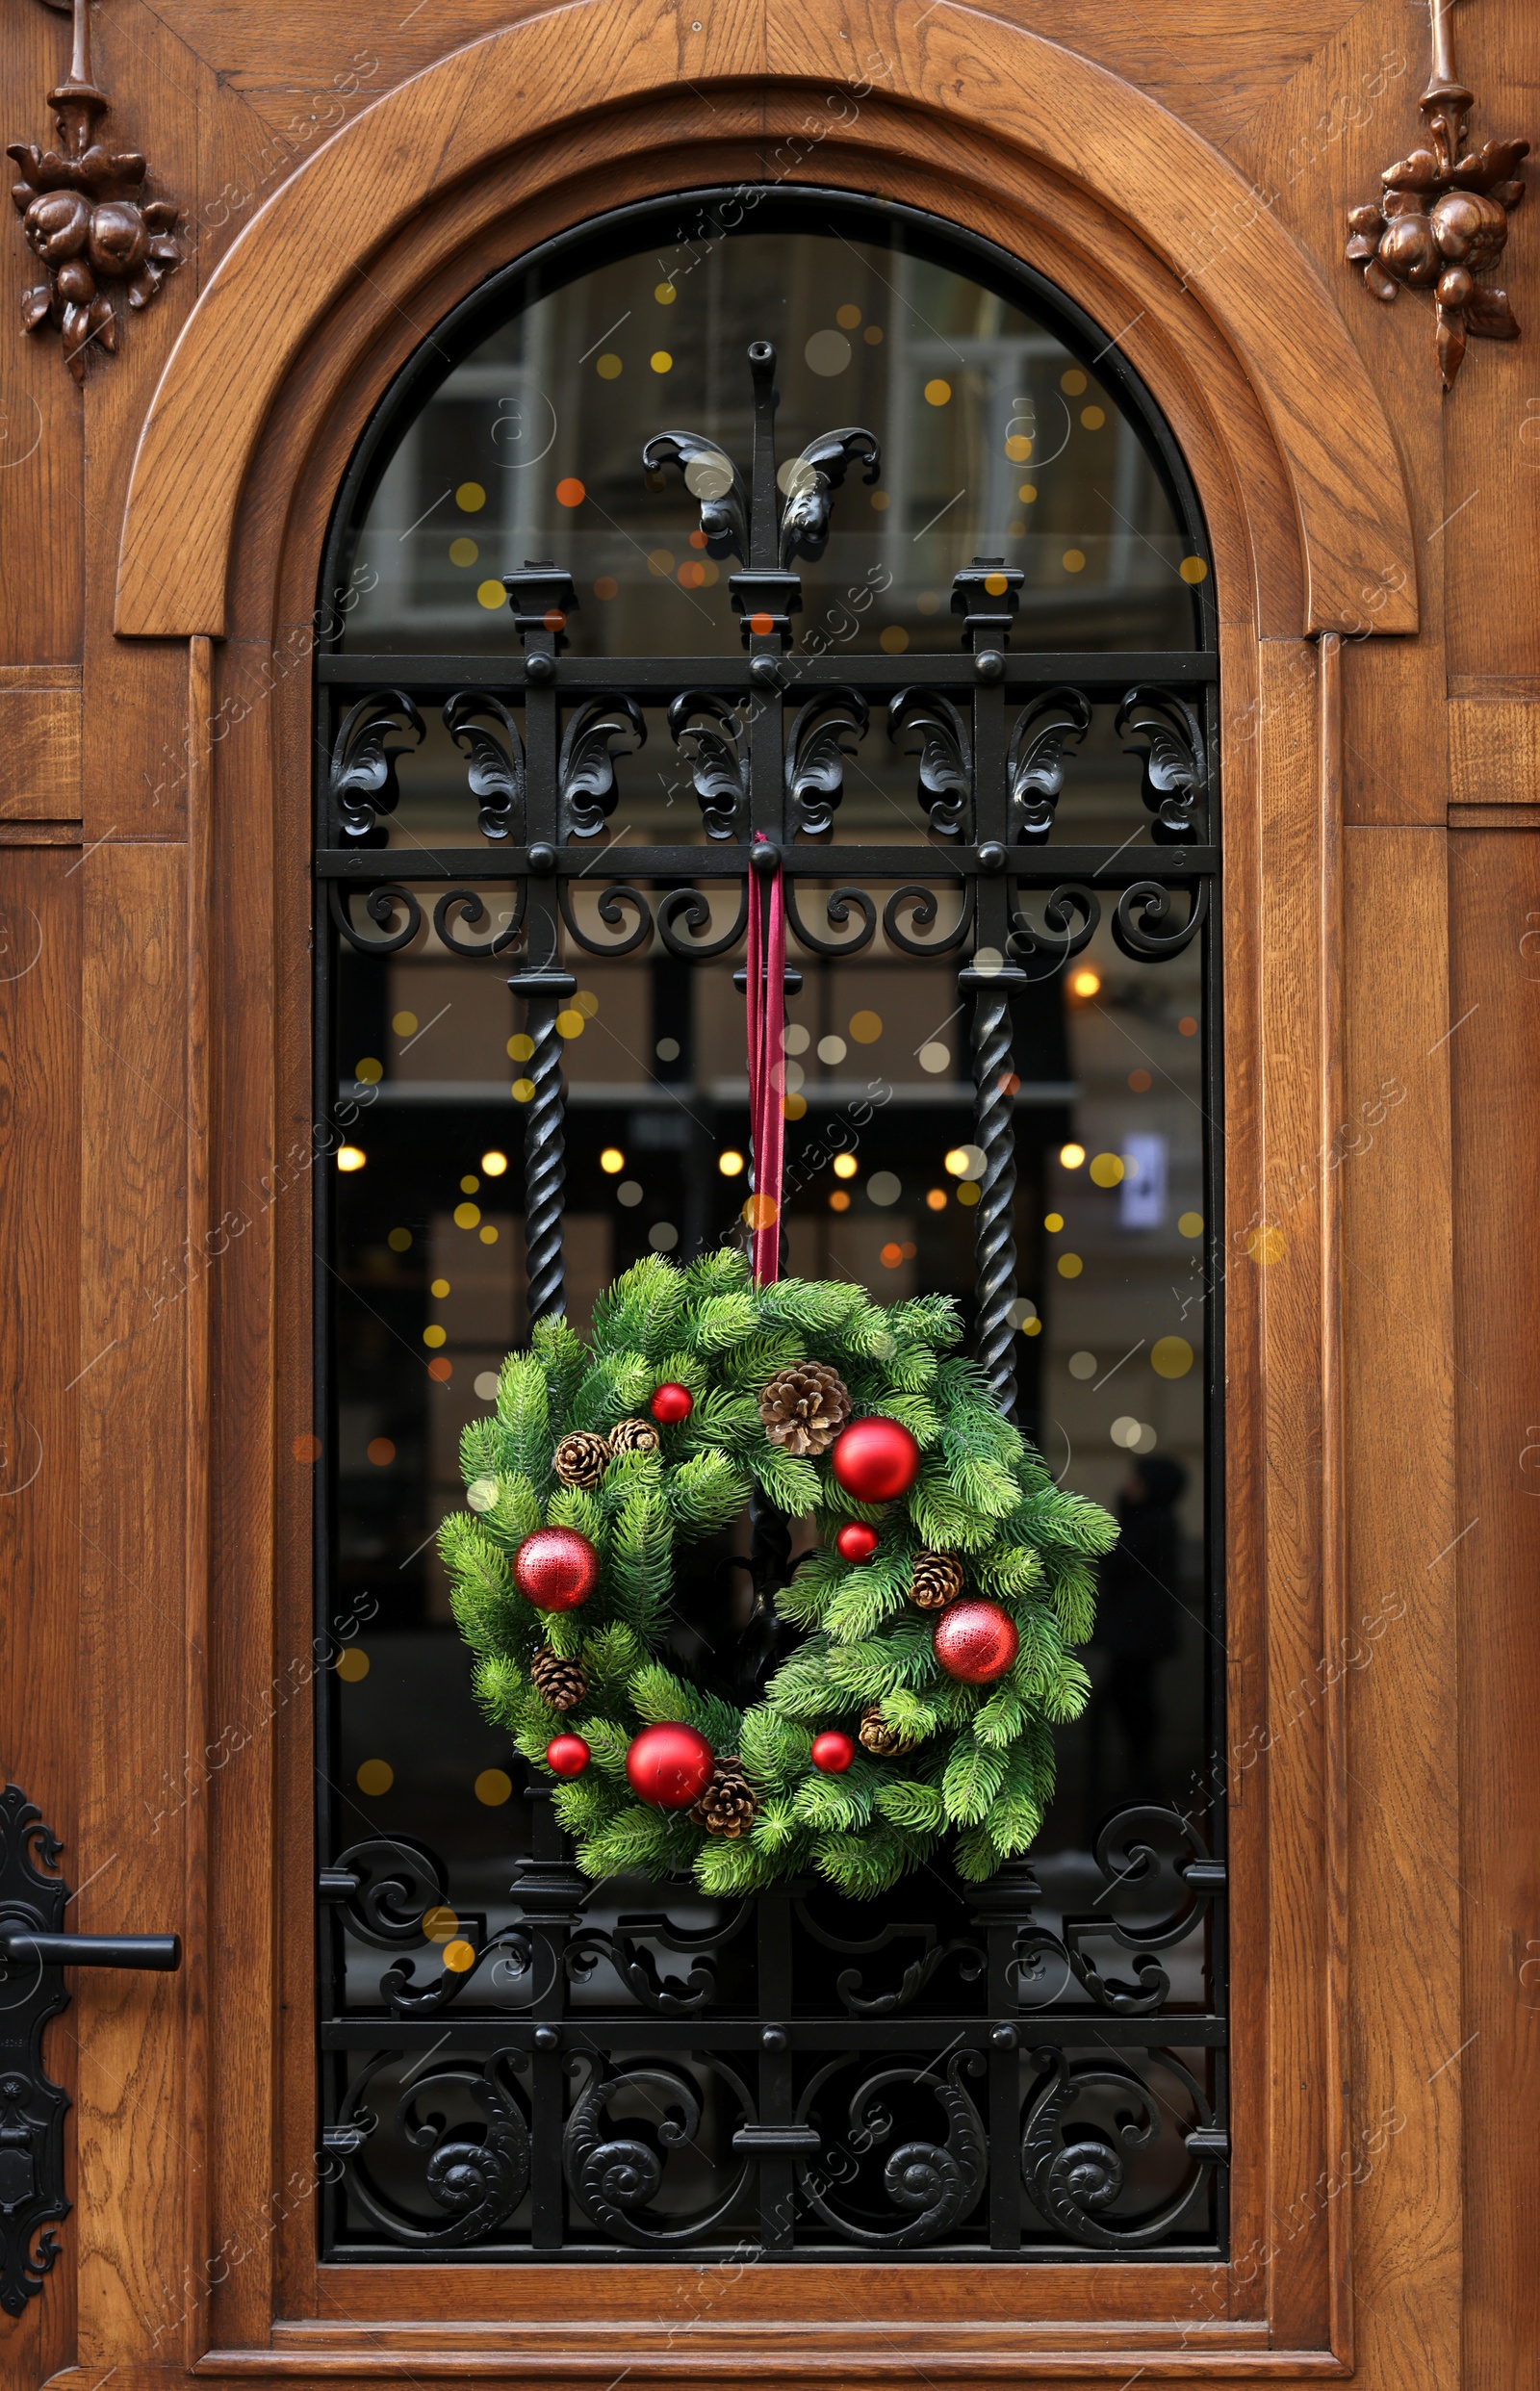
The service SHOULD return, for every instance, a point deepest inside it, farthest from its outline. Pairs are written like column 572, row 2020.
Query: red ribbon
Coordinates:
column 766, row 994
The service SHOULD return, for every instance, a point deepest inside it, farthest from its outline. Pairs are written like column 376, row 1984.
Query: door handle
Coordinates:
column 19, row 1943
column 35, row 1952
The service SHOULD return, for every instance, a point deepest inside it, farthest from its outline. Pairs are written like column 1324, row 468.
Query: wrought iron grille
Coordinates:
column 620, row 2070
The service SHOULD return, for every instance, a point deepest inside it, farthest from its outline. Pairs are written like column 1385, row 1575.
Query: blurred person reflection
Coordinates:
column 1137, row 1628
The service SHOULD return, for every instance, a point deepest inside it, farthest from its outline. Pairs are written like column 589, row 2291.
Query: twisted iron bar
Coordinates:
column 994, row 1237
column 544, row 1143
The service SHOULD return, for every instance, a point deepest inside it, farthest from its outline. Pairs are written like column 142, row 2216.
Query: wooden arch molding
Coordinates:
column 947, row 70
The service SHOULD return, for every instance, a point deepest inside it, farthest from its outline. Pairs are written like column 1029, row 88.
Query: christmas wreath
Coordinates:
column 950, row 1580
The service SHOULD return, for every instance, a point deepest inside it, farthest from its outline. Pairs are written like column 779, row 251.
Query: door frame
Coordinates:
column 290, row 346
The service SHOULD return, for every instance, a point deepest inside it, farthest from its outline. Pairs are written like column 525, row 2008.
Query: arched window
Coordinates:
column 781, row 514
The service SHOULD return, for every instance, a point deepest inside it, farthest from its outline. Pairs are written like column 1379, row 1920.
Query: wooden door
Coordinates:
column 1183, row 180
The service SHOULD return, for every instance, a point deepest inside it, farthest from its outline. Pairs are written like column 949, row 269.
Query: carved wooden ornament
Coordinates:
column 83, row 218
column 1444, row 217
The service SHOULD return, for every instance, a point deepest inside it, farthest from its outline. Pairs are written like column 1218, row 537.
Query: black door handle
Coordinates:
column 34, row 1951
column 19, row 1944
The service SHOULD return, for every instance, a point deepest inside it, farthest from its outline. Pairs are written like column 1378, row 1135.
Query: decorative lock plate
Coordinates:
column 34, row 1954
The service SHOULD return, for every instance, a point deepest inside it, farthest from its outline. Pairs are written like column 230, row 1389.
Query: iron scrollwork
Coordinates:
column 585, row 772
column 710, row 733
column 929, row 726
column 1076, row 2170
column 1034, row 767
column 477, row 2170
column 616, row 2175
column 614, row 901
column 692, row 909
column 811, row 480
column 1142, row 913
column 715, row 483
column 375, row 735
column 383, row 903
column 1172, row 753
column 496, row 764
column 1143, row 1849
column 838, row 906
column 625, row 1950
column 1072, row 916
column 938, row 2183
column 825, row 734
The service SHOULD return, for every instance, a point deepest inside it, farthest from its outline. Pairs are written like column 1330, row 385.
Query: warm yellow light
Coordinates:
column 730, row 1164
column 957, row 1162
column 612, row 1160
column 935, row 1200
column 469, row 1184
column 839, row 1200
column 351, row 1158
column 494, row 1164
column 1071, row 1156
column 845, row 1165
column 1084, row 983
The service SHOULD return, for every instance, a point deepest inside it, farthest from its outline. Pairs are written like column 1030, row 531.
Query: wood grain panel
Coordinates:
column 1495, row 751
column 1280, row 1242
column 1204, row 60
column 1491, row 549
column 1400, row 1660
column 40, row 1469
column 42, row 416
column 39, row 746
column 135, row 758
column 132, row 2125
column 1494, row 994
column 285, row 271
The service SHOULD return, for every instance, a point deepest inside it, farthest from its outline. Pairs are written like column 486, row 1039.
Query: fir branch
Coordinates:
column 585, row 1804
column 973, row 1778
column 910, row 1804
column 608, row 1744
column 563, row 1357
column 706, row 1492
column 864, row 1865
column 774, row 1752
column 636, row 1842
column 725, row 1866
column 790, row 1483
column 721, row 1321
column 524, row 1408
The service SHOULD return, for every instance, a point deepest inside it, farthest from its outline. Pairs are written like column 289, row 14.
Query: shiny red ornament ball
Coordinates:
column 672, row 1402
column 555, row 1569
column 568, row 1754
column 875, row 1460
column 669, row 1766
column 855, row 1541
column 832, row 1752
column 975, row 1642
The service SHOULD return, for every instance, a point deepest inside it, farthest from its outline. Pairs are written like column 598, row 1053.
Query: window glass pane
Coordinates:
column 1006, row 432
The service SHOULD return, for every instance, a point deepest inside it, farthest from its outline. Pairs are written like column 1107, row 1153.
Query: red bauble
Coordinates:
column 975, row 1642
column 672, row 1402
column 568, row 1754
column 832, row 1752
column 875, row 1460
column 669, row 1766
column 855, row 1541
column 555, row 1569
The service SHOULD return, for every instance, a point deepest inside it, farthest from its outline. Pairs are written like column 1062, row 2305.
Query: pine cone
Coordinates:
column 728, row 1805
column 580, row 1459
column 805, row 1407
column 937, row 1581
column 633, row 1436
column 878, row 1737
column 561, row 1681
